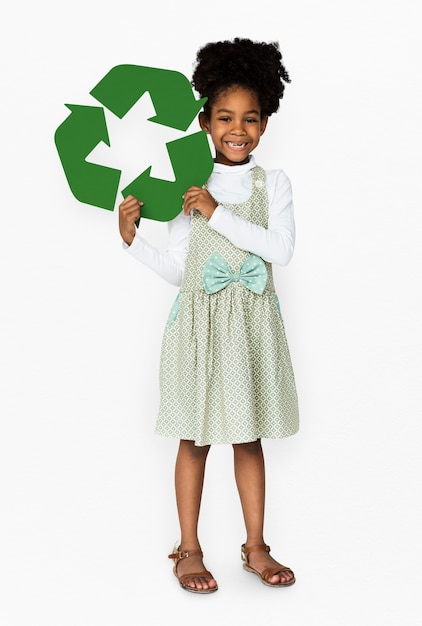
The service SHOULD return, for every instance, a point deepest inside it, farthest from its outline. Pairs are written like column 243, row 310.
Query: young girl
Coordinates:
column 226, row 375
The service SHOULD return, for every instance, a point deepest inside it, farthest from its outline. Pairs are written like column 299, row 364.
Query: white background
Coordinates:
column 87, row 506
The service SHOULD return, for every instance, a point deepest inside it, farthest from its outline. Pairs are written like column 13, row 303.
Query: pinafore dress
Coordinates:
column 225, row 369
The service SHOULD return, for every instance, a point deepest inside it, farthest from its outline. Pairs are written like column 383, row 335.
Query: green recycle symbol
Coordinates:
column 175, row 106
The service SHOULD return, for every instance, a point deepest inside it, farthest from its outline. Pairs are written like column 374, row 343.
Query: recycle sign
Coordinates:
column 175, row 106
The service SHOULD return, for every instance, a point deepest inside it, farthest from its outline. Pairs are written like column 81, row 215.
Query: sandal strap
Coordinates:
column 258, row 548
column 268, row 573
column 184, row 554
column 186, row 578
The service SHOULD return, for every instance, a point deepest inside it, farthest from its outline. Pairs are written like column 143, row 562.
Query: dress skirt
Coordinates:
column 225, row 373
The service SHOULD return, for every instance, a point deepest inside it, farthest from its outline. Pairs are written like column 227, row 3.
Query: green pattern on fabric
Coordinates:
column 174, row 311
column 226, row 374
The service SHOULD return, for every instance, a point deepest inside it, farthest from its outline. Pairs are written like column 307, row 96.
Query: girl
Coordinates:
column 225, row 374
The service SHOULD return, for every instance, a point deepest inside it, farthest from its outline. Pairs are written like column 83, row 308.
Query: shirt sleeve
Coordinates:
column 169, row 263
column 274, row 244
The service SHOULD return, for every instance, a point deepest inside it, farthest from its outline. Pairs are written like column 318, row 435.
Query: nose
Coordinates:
column 238, row 132
column 238, row 128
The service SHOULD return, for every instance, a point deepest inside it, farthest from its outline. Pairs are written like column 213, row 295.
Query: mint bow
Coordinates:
column 217, row 274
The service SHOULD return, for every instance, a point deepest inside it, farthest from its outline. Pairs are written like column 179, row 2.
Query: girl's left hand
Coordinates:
column 199, row 199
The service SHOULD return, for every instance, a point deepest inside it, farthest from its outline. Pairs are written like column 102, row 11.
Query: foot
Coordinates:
column 191, row 572
column 262, row 563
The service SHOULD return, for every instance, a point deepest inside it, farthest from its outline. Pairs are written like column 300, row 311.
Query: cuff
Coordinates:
column 217, row 216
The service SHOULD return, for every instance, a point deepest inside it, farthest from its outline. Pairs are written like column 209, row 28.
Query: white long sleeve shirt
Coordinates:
column 228, row 184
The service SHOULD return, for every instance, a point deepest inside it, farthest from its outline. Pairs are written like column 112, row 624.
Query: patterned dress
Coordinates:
column 225, row 373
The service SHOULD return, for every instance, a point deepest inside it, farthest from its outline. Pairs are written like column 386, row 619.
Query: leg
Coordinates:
column 249, row 470
column 189, row 479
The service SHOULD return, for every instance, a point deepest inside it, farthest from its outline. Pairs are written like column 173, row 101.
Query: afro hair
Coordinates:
column 256, row 66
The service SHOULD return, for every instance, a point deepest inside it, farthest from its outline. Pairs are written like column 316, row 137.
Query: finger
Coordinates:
column 132, row 205
column 192, row 192
column 189, row 203
column 193, row 188
column 187, row 197
column 133, row 215
column 130, row 213
column 130, row 201
column 188, row 207
column 191, row 196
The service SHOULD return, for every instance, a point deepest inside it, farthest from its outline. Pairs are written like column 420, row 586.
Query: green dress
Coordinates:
column 225, row 373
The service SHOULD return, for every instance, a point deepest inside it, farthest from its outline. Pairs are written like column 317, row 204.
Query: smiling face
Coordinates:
column 235, row 125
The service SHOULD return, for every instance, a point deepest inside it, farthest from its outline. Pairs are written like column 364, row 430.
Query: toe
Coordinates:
column 281, row 578
column 198, row 583
column 205, row 583
column 285, row 577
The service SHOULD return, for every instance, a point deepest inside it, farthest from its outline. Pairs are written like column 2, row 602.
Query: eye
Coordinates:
column 224, row 119
column 251, row 120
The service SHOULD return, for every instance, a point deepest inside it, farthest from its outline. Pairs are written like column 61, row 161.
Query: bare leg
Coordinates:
column 250, row 479
column 189, row 480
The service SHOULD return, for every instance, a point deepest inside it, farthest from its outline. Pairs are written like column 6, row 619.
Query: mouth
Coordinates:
column 237, row 145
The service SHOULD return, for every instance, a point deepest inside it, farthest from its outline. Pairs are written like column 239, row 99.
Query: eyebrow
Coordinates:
column 245, row 113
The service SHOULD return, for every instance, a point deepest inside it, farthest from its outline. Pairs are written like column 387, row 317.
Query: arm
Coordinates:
column 274, row 244
column 169, row 263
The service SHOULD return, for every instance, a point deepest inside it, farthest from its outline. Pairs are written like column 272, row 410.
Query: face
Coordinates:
column 235, row 125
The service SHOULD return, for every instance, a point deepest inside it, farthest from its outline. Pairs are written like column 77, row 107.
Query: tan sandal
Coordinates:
column 184, row 580
column 267, row 573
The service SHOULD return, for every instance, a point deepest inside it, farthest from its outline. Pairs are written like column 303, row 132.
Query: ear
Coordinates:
column 264, row 122
column 204, row 122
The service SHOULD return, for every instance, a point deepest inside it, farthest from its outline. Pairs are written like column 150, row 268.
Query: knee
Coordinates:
column 251, row 448
column 189, row 447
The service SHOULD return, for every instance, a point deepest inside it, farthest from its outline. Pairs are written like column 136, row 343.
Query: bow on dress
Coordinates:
column 217, row 274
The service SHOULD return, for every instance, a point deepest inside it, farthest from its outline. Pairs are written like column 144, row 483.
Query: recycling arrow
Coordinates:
column 171, row 94
column 75, row 138
column 192, row 165
column 175, row 106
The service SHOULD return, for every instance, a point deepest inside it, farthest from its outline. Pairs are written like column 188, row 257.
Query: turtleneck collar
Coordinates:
column 219, row 168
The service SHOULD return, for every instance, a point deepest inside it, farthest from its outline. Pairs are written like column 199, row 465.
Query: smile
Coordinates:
column 237, row 145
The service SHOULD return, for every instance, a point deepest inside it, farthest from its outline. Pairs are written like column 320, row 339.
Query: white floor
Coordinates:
column 86, row 541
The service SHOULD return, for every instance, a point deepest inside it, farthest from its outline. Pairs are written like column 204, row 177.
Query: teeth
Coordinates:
column 236, row 145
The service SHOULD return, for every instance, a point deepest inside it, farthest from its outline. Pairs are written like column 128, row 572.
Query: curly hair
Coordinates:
column 256, row 66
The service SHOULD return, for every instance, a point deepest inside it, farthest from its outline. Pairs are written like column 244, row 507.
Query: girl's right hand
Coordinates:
column 129, row 213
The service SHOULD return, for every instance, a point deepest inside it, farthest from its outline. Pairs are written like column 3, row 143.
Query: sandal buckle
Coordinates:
column 183, row 554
